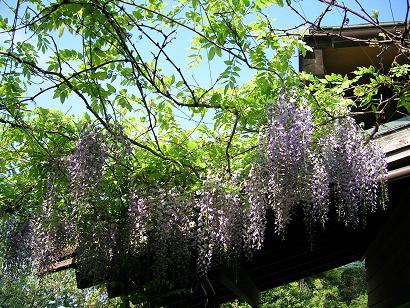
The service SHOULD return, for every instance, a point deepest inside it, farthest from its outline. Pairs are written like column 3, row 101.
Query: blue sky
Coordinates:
column 389, row 10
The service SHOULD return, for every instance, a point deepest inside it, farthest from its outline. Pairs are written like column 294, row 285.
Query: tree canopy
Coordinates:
column 341, row 287
column 195, row 126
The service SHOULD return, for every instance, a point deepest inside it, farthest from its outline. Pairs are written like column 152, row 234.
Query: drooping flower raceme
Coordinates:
column 219, row 226
column 138, row 219
column 86, row 167
column 161, row 225
column 297, row 170
column 15, row 235
column 357, row 170
column 293, row 172
column 255, row 213
column 53, row 229
column 96, row 237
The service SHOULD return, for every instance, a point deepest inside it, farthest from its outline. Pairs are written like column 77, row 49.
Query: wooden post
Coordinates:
column 240, row 284
column 388, row 257
column 313, row 62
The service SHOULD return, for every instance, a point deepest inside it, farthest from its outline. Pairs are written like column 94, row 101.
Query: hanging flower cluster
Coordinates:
column 166, row 233
column 52, row 230
column 296, row 171
column 255, row 213
column 162, row 225
column 292, row 169
column 177, row 229
column 355, row 170
column 86, row 167
column 15, row 235
column 219, row 224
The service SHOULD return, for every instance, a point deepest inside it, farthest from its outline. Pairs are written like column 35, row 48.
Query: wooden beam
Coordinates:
column 313, row 63
column 56, row 267
column 393, row 141
column 399, row 174
column 239, row 283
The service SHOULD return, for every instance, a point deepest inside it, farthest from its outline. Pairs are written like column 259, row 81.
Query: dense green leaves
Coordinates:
column 342, row 287
column 54, row 290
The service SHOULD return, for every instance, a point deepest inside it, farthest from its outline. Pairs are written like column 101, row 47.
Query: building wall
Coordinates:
column 388, row 257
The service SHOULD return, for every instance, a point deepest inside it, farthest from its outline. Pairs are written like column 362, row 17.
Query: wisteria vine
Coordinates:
column 296, row 169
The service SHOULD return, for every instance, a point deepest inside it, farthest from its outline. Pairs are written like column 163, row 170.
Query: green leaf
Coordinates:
column 404, row 101
column 211, row 53
column 110, row 88
column 61, row 31
column 137, row 14
column 375, row 14
column 63, row 96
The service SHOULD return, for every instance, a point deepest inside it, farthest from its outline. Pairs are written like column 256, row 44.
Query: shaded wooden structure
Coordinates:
column 343, row 50
column 388, row 256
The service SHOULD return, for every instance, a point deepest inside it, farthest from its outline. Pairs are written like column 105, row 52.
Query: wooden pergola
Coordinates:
column 341, row 51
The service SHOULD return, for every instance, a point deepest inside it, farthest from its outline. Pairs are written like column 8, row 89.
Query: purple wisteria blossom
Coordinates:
column 220, row 225
column 162, row 225
column 53, row 229
column 356, row 169
column 16, row 237
column 294, row 173
column 138, row 218
column 255, row 213
column 86, row 167
column 296, row 170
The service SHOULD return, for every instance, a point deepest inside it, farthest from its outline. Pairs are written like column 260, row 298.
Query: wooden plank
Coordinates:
column 398, row 174
column 398, row 156
column 394, row 141
column 392, row 126
column 239, row 282
column 64, row 264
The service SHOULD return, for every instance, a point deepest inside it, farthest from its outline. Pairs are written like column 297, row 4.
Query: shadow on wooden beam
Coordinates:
column 240, row 284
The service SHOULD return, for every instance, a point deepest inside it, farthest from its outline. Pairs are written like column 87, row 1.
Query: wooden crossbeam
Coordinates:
column 240, row 284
